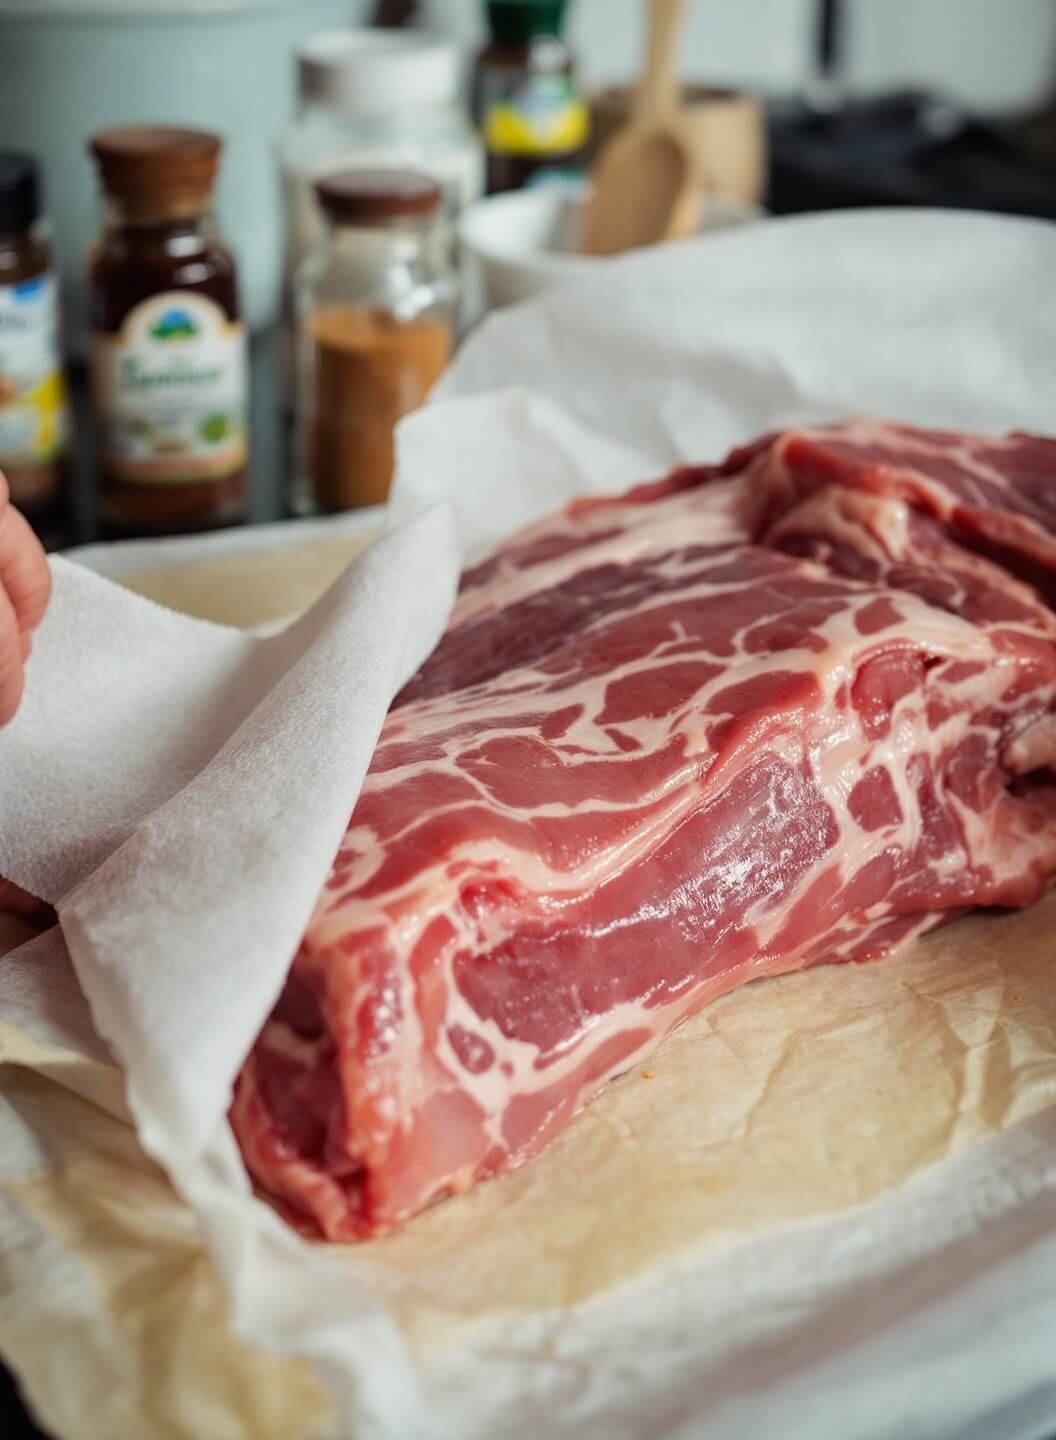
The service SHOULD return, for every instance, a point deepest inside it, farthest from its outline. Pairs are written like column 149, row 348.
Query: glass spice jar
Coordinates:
column 373, row 99
column 33, row 412
column 370, row 99
column 169, row 379
column 526, row 98
column 376, row 306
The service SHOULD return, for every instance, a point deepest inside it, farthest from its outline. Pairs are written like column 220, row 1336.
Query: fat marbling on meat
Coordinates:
column 789, row 709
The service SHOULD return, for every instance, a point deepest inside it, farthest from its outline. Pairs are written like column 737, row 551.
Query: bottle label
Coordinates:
column 533, row 115
column 32, row 395
column 170, row 392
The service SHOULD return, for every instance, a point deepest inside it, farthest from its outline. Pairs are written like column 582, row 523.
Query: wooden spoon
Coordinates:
column 645, row 185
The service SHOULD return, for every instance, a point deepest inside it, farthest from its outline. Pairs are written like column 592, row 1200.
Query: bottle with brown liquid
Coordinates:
column 376, row 305
column 169, row 380
column 33, row 413
column 526, row 100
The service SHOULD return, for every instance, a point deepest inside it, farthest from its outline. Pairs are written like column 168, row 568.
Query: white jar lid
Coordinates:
column 369, row 71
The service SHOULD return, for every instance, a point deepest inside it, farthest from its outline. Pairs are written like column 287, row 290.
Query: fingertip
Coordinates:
column 12, row 684
column 11, row 677
column 24, row 569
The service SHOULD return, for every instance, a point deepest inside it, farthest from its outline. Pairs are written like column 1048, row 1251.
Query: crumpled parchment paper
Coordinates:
column 829, row 1202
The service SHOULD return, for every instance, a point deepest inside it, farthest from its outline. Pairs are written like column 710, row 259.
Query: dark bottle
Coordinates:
column 33, row 413
column 169, row 383
column 532, row 113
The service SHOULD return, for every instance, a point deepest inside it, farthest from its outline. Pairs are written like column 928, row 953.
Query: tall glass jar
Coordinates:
column 526, row 98
column 169, row 377
column 370, row 99
column 376, row 305
column 33, row 417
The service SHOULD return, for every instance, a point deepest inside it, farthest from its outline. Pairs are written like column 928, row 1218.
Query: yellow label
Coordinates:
column 32, row 394
column 541, row 115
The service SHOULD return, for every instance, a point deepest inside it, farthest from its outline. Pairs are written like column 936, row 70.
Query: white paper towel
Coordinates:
column 678, row 354
column 179, row 790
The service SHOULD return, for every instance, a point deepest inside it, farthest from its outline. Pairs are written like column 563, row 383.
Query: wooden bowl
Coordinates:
column 727, row 131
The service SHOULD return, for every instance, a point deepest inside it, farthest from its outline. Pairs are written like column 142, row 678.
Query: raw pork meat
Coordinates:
column 18, row 902
column 789, row 709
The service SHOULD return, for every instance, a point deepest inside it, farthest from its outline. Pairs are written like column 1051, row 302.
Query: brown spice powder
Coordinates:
column 371, row 369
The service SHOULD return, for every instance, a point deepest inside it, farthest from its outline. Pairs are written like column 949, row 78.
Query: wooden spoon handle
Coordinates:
column 657, row 92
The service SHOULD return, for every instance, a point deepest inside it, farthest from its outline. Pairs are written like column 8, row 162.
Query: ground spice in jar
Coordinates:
column 376, row 307
column 371, row 369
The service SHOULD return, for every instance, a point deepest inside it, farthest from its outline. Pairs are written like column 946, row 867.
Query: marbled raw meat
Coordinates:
column 14, row 901
column 789, row 709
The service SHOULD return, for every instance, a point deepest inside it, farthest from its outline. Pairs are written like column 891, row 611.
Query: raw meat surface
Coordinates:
column 789, row 709
column 14, row 901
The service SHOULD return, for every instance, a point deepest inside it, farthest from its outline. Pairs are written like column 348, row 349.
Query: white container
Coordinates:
column 375, row 98
column 71, row 67
column 525, row 241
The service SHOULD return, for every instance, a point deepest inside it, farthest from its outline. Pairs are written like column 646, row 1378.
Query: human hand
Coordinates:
column 25, row 588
